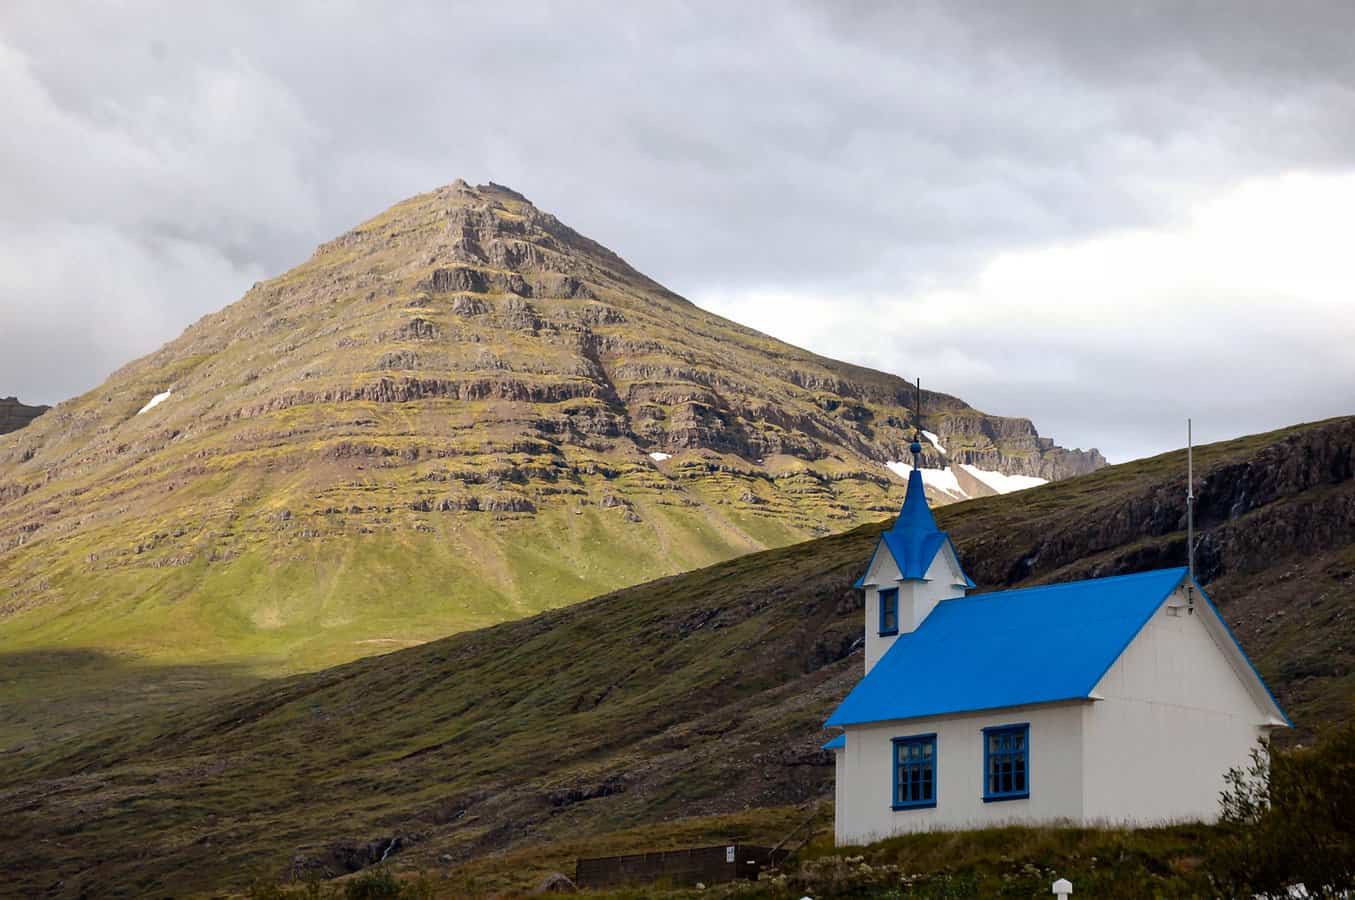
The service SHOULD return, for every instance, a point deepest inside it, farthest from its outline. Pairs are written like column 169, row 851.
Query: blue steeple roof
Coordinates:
column 915, row 515
column 914, row 540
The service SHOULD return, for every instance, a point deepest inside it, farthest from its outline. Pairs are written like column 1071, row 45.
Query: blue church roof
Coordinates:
column 1009, row 648
column 836, row 743
column 914, row 540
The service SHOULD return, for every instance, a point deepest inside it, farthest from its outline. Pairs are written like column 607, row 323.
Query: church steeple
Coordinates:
column 913, row 568
column 916, row 515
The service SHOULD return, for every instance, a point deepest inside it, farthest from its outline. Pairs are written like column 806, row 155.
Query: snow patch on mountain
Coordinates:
column 155, row 401
column 936, row 441
column 942, row 480
column 660, row 457
column 1003, row 484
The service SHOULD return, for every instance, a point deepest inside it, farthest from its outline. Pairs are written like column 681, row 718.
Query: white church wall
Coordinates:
column 1173, row 719
column 884, row 572
column 916, row 598
column 864, row 790
column 841, row 811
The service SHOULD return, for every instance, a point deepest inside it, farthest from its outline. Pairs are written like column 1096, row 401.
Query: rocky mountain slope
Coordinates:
column 701, row 693
column 460, row 412
column 15, row 415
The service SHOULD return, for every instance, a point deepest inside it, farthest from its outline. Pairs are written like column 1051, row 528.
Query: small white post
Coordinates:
column 1063, row 888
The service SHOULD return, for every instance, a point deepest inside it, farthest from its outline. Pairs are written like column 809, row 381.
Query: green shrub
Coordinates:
column 374, row 884
column 1293, row 821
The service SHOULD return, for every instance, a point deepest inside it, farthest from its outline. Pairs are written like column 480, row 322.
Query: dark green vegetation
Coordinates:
column 688, row 696
column 442, row 420
column 1295, row 814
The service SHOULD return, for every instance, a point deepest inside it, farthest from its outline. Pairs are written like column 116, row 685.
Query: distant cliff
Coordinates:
column 15, row 415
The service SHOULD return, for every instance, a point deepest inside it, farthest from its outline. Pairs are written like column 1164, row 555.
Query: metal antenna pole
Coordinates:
column 917, row 425
column 1190, row 518
column 917, row 401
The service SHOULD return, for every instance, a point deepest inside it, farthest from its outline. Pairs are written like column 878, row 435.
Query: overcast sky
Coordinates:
column 1105, row 217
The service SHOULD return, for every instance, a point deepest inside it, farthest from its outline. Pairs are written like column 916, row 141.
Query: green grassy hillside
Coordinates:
column 692, row 695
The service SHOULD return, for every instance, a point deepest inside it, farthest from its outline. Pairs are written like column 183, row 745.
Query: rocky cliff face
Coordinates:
column 15, row 415
column 458, row 412
column 1303, row 482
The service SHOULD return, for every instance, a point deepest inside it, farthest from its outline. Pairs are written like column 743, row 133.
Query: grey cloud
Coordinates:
column 846, row 148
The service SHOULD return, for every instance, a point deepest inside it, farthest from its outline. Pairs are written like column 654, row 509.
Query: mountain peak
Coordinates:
column 503, row 190
column 487, row 227
column 459, row 411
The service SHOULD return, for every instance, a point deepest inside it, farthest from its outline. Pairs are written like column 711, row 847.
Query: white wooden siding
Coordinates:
column 865, row 780
column 1173, row 718
column 916, row 598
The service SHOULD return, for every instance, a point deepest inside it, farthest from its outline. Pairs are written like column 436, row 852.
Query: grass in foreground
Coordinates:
column 1290, row 823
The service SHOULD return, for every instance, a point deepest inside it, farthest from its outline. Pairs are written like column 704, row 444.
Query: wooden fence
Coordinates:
column 679, row 868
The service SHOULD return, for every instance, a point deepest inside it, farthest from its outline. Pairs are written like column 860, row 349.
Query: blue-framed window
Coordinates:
column 915, row 771
column 1006, row 762
column 889, row 611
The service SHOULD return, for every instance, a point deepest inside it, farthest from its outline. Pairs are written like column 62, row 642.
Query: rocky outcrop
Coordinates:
column 15, row 415
column 407, row 390
column 1320, row 457
column 341, row 858
column 556, row 883
column 1052, row 464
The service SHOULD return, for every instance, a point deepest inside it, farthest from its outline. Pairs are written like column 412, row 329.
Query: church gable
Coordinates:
column 953, row 574
column 942, row 565
column 1190, row 660
column 882, row 570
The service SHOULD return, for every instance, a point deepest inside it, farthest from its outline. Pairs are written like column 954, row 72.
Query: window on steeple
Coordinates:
column 889, row 611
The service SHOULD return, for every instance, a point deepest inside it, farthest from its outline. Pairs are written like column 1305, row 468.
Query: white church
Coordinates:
column 1118, row 700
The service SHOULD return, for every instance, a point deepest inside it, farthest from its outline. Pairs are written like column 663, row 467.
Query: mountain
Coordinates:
column 457, row 413
column 15, row 415
column 696, row 694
